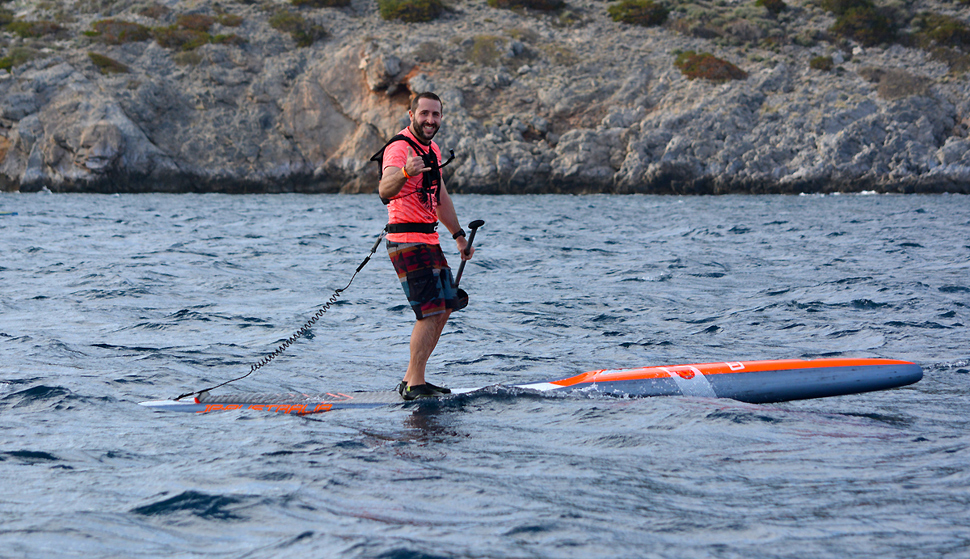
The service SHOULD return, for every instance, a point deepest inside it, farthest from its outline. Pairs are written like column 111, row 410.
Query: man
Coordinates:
column 416, row 198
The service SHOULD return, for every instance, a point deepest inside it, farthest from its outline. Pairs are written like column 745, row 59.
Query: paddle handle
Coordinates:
column 471, row 239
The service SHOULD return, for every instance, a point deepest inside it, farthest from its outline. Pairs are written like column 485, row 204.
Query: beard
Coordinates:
column 423, row 134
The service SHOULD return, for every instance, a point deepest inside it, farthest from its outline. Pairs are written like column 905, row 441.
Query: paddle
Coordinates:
column 462, row 296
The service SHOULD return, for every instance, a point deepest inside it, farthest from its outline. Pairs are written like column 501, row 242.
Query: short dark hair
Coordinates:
column 426, row 95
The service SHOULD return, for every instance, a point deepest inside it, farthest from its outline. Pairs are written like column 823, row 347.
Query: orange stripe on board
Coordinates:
column 727, row 367
column 298, row 409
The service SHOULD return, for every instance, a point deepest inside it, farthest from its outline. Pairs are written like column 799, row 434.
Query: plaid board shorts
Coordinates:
column 425, row 277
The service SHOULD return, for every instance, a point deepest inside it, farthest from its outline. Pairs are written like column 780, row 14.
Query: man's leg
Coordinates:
column 424, row 338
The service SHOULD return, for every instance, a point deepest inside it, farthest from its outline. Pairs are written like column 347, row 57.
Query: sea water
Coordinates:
column 106, row 301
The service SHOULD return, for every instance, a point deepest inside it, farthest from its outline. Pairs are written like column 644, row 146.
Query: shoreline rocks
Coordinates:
column 531, row 106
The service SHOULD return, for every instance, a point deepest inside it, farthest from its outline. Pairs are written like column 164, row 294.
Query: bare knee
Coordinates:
column 437, row 319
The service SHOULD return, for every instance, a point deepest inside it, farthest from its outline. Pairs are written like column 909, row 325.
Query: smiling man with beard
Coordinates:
column 414, row 191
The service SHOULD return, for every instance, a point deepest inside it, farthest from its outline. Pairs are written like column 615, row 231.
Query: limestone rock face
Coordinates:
column 78, row 138
column 530, row 104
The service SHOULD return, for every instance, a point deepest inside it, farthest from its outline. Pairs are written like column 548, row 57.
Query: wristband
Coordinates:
column 405, row 171
column 459, row 233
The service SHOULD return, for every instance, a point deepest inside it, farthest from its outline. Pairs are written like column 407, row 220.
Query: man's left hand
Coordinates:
column 463, row 246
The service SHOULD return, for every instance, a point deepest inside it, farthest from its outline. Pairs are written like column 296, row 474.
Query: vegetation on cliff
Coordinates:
column 945, row 37
column 321, row 3
column 410, row 11
column 773, row 6
column 639, row 12
column 303, row 31
column 33, row 29
column 823, row 63
column 17, row 56
column 544, row 92
column 707, row 66
column 117, row 32
column 538, row 5
column 106, row 64
column 768, row 24
column 862, row 21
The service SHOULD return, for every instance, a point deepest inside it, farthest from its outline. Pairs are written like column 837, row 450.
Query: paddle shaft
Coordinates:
column 471, row 239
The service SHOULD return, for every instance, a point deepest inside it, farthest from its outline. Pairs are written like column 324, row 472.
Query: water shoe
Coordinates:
column 439, row 389
column 419, row 391
column 403, row 385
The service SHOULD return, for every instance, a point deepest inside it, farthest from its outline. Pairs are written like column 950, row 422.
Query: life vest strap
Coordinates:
column 431, row 179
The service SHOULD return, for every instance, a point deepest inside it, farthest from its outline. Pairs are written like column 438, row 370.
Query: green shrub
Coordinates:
column 230, row 39
column 523, row 34
column 941, row 30
column 893, row 83
column 840, row 7
column 773, row 6
column 16, row 57
column 485, row 50
column 823, row 63
column 33, row 29
column 107, row 65
column 428, row 51
column 196, row 22
column 191, row 31
column 154, row 11
column 321, row 3
column 807, row 38
column 897, row 84
column 567, row 18
column 707, row 66
column 304, row 32
column 187, row 58
column 411, row 11
column 861, row 21
column 730, row 23
column 957, row 60
column 229, row 20
column 540, row 5
column 6, row 17
column 116, row 32
column 866, row 25
column 639, row 12
column 286, row 21
column 175, row 37
column 560, row 55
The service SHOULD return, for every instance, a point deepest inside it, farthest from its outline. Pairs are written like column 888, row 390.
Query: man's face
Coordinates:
column 425, row 120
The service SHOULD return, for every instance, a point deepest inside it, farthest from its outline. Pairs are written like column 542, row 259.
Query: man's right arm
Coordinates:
column 393, row 178
column 392, row 181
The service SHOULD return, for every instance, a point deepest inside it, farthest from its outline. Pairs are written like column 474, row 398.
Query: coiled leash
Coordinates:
column 302, row 331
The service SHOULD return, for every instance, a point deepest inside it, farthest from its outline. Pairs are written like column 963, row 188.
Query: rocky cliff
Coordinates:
column 534, row 102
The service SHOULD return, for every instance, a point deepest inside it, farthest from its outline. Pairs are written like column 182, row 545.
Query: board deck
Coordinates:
column 746, row 381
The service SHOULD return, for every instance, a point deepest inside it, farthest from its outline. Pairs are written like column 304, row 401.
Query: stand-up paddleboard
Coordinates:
column 756, row 382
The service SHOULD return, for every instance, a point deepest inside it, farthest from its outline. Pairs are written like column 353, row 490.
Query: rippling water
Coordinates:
column 110, row 300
